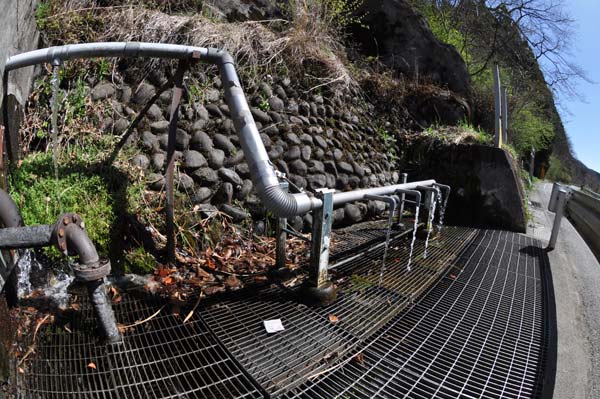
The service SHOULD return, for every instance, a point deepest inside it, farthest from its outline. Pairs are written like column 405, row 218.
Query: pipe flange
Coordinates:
column 87, row 273
column 60, row 235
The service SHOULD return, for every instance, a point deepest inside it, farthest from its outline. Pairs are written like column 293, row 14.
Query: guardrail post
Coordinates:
column 554, row 197
column 560, row 208
column 280, row 255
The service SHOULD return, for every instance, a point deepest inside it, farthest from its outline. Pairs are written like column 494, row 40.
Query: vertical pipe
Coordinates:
column 103, row 310
column 498, row 108
column 402, row 198
column 391, row 201
column 562, row 200
column 54, row 118
column 169, row 176
column 280, row 254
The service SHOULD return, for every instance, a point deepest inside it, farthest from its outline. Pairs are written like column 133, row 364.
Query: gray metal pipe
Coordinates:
column 25, row 237
column 281, row 203
column 358, row 195
column 277, row 200
column 79, row 243
column 106, row 49
column 9, row 212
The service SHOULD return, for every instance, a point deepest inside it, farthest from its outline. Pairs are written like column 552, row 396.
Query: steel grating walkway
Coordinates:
column 467, row 321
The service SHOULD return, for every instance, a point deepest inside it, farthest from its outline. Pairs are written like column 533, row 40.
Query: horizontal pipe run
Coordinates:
column 26, row 237
column 278, row 201
column 358, row 195
column 109, row 49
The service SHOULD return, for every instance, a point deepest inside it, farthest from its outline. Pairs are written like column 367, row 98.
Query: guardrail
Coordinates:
column 583, row 209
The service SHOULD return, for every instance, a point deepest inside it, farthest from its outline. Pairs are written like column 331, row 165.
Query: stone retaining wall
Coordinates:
column 315, row 140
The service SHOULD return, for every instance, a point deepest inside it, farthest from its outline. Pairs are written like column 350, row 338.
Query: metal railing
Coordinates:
column 274, row 196
column 583, row 209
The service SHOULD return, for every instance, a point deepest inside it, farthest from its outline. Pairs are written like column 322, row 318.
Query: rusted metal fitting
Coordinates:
column 60, row 236
column 86, row 273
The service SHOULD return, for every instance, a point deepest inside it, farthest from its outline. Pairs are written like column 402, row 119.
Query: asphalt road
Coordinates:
column 576, row 279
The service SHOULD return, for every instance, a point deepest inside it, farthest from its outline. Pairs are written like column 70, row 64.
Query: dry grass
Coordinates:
column 306, row 46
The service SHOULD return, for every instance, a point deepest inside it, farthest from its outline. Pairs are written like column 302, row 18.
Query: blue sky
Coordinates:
column 583, row 125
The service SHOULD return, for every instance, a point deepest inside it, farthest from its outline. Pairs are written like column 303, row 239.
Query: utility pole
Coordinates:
column 498, row 107
column 505, row 115
column 531, row 163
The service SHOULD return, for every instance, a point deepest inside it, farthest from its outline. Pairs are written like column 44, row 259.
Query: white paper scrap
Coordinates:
column 273, row 326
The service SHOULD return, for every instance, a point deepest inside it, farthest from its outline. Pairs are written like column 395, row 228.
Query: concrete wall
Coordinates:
column 18, row 33
column 486, row 188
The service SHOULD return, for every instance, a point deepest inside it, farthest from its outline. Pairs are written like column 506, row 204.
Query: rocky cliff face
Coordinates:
column 400, row 38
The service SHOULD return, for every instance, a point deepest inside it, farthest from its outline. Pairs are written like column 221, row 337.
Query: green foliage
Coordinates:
column 42, row 198
column 264, row 103
column 441, row 27
column 557, row 171
column 527, row 183
column 139, row 261
column 511, row 150
column 41, row 15
column 340, row 13
column 529, row 129
column 75, row 106
column 389, row 141
column 343, row 11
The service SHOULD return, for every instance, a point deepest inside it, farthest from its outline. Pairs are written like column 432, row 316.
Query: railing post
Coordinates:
column 498, row 108
column 402, row 198
column 170, row 172
column 560, row 208
column 319, row 290
column 280, row 254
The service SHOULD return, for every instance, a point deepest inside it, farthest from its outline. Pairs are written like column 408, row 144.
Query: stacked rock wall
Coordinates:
column 317, row 141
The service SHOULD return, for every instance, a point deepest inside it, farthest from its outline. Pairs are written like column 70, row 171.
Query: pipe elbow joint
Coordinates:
column 218, row 56
column 286, row 205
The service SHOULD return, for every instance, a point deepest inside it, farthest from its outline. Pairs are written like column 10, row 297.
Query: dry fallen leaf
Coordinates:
column 360, row 358
column 168, row 280
column 92, row 365
column 333, row 318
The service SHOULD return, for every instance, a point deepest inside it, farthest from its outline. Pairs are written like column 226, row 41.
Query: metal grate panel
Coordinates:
column 310, row 340
column 161, row 358
column 477, row 333
column 467, row 321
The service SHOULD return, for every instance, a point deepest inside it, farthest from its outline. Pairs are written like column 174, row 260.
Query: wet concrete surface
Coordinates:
column 576, row 280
